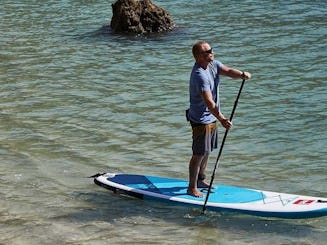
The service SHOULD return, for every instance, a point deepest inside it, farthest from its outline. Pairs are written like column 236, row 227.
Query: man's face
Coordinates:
column 207, row 53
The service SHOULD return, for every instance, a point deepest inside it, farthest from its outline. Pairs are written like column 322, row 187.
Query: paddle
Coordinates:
column 221, row 148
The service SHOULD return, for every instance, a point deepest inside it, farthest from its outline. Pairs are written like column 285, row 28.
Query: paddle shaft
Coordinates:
column 221, row 148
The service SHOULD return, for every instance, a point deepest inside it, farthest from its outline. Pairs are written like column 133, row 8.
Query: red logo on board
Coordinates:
column 303, row 202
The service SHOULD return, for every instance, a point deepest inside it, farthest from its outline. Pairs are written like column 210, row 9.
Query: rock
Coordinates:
column 141, row 17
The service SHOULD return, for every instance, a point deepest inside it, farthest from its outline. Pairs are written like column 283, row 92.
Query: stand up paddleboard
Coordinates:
column 221, row 198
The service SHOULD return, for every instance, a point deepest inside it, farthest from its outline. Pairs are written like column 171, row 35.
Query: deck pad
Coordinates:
column 178, row 188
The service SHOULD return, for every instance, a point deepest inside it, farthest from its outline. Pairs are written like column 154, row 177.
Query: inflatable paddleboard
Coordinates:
column 222, row 197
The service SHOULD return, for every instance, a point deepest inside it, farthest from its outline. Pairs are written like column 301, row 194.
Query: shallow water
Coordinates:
column 77, row 100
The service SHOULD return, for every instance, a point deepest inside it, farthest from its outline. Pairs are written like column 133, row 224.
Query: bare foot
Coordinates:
column 194, row 192
column 203, row 184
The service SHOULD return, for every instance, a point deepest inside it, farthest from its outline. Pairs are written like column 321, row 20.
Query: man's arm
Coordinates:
column 210, row 103
column 234, row 73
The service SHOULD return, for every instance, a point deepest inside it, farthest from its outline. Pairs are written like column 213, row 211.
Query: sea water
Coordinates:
column 77, row 99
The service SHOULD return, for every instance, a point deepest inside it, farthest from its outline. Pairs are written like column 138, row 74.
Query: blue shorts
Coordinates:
column 204, row 138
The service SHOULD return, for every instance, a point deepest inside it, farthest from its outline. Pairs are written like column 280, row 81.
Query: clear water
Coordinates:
column 77, row 100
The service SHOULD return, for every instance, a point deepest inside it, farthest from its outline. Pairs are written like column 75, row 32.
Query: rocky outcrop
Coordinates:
column 141, row 17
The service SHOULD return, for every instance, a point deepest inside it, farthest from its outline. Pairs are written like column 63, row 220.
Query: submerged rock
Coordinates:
column 141, row 17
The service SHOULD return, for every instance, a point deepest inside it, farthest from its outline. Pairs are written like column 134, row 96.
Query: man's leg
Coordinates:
column 201, row 182
column 194, row 169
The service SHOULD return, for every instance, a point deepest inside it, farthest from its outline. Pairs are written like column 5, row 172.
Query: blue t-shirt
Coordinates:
column 203, row 80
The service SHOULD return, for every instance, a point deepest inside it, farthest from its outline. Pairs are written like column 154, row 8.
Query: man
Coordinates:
column 204, row 111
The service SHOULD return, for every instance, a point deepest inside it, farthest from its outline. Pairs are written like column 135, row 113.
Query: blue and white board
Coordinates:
column 221, row 198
